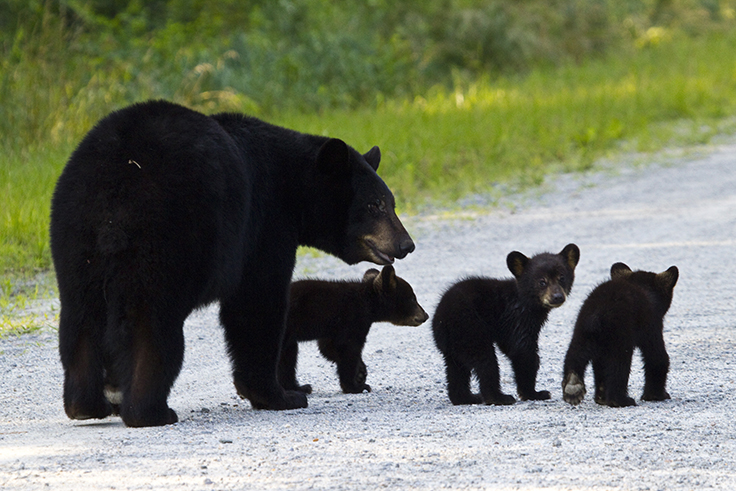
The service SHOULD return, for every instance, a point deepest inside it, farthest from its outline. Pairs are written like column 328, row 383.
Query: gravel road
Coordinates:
column 406, row 434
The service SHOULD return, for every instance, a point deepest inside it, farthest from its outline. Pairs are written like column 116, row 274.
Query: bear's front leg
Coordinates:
column 351, row 370
column 254, row 323
column 526, row 365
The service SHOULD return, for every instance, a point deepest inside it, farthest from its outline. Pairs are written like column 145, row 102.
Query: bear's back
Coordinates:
column 320, row 308
column 155, row 183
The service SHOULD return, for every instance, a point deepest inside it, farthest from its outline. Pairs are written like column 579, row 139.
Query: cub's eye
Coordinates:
column 542, row 283
column 561, row 279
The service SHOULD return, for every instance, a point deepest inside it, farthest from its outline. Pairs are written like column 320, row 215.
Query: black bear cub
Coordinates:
column 339, row 314
column 476, row 313
column 619, row 315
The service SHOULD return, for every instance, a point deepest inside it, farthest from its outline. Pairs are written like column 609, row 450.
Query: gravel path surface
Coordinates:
column 406, row 434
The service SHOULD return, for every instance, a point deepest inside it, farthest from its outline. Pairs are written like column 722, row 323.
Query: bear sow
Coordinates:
column 161, row 210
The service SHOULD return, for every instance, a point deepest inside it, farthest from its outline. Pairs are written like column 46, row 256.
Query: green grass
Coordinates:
column 18, row 297
column 446, row 143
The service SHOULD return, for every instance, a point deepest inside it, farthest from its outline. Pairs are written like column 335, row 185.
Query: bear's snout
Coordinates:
column 406, row 246
column 420, row 316
column 554, row 298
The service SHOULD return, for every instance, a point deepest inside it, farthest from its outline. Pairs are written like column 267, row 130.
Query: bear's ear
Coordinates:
column 669, row 278
column 333, row 156
column 370, row 275
column 373, row 157
column 386, row 281
column 516, row 261
column 571, row 253
column 620, row 270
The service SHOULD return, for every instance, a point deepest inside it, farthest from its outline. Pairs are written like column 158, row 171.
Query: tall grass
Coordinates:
column 445, row 141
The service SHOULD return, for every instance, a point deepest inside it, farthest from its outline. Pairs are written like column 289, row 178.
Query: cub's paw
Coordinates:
column 624, row 401
column 541, row 395
column 465, row 399
column 361, row 374
column 499, row 400
column 573, row 389
column 655, row 396
column 355, row 388
column 306, row 388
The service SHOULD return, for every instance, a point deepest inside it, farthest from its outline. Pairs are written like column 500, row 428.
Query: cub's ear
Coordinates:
column 669, row 278
column 333, row 157
column 370, row 275
column 386, row 281
column 373, row 157
column 620, row 270
column 516, row 261
column 571, row 253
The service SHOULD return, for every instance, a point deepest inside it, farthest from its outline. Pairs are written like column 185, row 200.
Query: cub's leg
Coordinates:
column 458, row 382
column 576, row 362
column 525, row 364
column 656, row 366
column 616, row 370
column 347, row 355
column 287, row 367
column 489, row 380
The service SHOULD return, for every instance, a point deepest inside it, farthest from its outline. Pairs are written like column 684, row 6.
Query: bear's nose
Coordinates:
column 405, row 247
column 558, row 298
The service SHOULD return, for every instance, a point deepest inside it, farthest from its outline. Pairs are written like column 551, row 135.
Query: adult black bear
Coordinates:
column 619, row 315
column 161, row 210
column 477, row 313
column 339, row 314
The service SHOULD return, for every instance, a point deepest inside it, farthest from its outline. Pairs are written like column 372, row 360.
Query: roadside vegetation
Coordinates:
column 462, row 96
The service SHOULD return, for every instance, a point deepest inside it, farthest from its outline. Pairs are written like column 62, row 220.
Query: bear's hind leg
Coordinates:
column 573, row 388
column 147, row 353
column 656, row 367
column 489, row 380
column 287, row 367
column 573, row 383
column 80, row 327
column 615, row 381
column 458, row 383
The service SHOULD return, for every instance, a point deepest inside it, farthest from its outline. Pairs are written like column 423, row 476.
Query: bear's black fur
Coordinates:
column 161, row 210
column 339, row 314
column 619, row 315
column 477, row 313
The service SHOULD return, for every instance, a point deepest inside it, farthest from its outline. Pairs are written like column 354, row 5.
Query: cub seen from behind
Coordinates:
column 619, row 315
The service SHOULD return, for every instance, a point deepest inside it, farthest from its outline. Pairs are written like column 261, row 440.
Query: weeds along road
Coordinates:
column 406, row 434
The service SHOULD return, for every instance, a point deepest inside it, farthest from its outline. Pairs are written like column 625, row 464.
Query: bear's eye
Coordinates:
column 377, row 206
column 542, row 283
column 561, row 278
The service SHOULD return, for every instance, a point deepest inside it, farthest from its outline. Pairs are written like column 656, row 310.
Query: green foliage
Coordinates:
column 462, row 95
